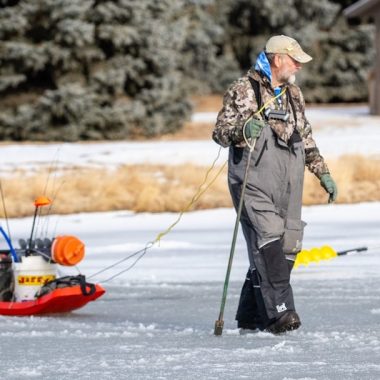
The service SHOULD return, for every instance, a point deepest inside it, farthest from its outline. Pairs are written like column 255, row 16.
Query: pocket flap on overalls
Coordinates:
column 295, row 224
column 293, row 236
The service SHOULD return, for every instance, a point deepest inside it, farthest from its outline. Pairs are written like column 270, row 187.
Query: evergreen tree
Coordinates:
column 90, row 69
column 209, row 64
column 342, row 53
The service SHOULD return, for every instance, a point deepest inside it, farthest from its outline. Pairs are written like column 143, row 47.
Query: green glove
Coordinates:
column 253, row 128
column 329, row 185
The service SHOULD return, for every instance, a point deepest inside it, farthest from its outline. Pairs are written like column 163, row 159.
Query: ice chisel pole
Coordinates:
column 360, row 249
column 218, row 329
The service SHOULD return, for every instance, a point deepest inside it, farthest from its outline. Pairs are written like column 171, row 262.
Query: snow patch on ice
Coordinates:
column 186, row 331
column 22, row 372
column 354, row 129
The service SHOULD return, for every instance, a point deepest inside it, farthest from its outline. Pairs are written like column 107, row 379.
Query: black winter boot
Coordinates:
column 287, row 322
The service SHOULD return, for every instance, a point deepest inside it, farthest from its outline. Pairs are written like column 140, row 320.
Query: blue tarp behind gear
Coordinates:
column 263, row 66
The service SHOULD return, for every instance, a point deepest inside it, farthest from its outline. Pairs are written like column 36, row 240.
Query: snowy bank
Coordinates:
column 337, row 131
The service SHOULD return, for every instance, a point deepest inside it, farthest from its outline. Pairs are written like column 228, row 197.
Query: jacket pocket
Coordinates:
column 293, row 235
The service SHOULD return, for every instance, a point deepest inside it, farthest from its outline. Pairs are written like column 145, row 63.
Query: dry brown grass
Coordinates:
column 157, row 188
column 153, row 188
column 357, row 177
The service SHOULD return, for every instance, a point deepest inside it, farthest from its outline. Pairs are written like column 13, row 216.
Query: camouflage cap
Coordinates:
column 287, row 45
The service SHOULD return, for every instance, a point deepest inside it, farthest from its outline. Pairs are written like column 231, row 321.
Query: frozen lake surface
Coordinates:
column 156, row 321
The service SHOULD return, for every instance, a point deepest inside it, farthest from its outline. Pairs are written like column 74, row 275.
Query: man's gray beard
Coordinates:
column 292, row 79
column 289, row 80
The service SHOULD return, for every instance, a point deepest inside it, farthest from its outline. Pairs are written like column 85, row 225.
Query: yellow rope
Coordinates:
column 195, row 198
column 197, row 195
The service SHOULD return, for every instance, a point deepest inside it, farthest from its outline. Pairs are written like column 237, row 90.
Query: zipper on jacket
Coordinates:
column 265, row 147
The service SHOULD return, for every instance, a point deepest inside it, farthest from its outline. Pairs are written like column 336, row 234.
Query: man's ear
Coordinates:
column 277, row 59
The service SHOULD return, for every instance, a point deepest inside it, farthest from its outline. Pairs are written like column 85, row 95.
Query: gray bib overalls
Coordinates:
column 271, row 221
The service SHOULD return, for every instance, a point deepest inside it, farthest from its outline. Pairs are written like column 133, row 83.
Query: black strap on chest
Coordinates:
column 256, row 89
column 291, row 101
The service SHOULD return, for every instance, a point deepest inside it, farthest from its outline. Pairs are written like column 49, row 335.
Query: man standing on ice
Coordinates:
column 271, row 215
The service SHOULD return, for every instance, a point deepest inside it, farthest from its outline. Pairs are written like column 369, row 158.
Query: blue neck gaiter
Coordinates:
column 263, row 66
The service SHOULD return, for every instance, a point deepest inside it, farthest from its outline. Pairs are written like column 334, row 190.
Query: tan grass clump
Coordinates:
column 159, row 188
column 357, row 178
column 140, row 188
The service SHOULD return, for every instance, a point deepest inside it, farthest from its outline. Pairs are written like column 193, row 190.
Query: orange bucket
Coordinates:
column 67, row 250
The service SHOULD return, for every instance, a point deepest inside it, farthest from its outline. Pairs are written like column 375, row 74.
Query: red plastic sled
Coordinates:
column 60, row 300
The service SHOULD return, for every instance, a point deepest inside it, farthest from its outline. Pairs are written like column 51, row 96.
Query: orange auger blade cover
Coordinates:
column 67, row 250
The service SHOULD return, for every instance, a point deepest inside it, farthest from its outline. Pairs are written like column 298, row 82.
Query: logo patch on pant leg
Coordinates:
column 281, row 308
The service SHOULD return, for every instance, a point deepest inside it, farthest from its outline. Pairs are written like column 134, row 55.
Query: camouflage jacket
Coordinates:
column 239, row 103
